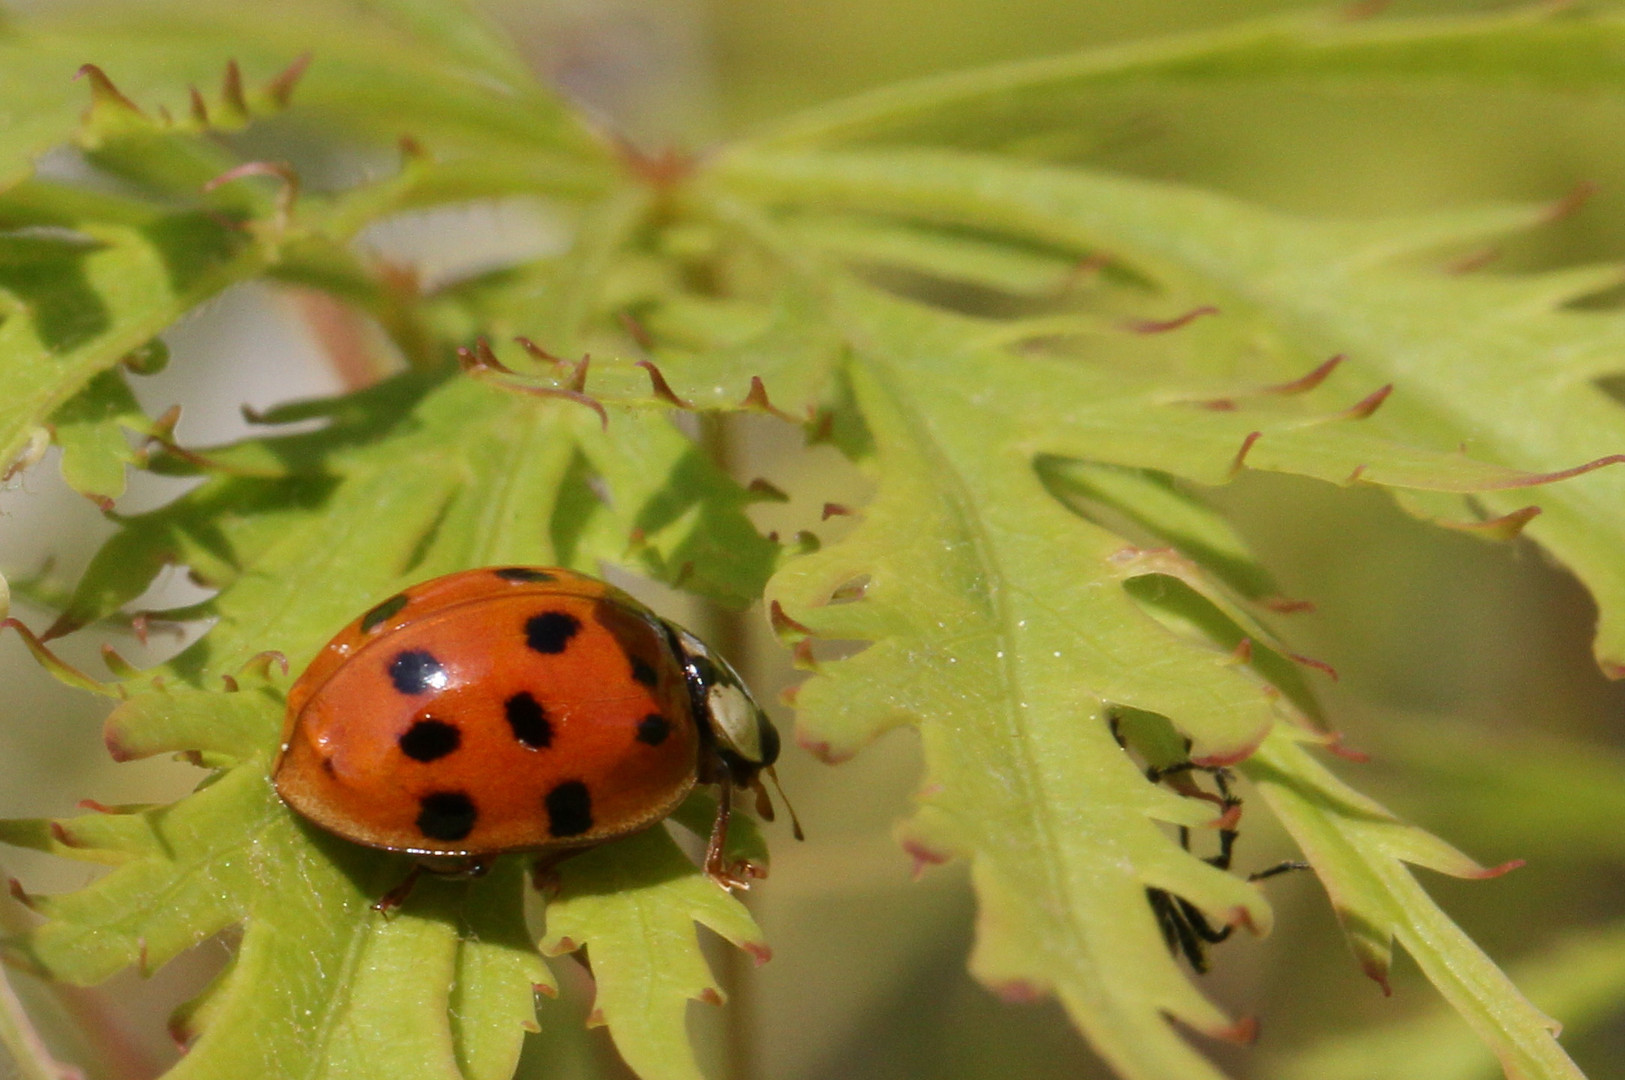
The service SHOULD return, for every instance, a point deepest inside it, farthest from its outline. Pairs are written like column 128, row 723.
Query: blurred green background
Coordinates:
column 1465, row 666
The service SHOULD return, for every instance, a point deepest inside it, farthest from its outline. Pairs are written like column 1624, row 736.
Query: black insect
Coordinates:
column 1184, row 927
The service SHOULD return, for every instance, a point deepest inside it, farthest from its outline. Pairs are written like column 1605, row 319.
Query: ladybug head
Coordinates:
column 744, row 738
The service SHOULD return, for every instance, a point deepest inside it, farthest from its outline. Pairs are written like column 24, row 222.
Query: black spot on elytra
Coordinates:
column 387, row 610
column 550, row 631
column 429, row 740
column 643, row 672
column 446, row 815
column 416, row 672
column 653, row 729
column 523, row 573
column 529, row 721
column 569, row 809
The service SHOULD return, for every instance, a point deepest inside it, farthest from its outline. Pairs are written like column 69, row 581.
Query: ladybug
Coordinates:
column 517, row 709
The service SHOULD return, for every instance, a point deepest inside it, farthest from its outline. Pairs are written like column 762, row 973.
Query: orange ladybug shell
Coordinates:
column 492, row 710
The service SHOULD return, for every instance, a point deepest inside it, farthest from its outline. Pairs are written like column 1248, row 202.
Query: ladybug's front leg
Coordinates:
column 717, row 867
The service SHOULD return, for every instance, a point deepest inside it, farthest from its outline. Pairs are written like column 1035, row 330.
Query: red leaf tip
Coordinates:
column 1488, row 872
column 1162, row 326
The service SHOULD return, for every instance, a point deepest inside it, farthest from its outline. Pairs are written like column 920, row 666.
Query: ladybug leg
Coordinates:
column 729, row 875
column 395, row 897
column 716, row 867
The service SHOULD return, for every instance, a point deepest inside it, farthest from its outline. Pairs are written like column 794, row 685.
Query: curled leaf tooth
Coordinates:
column 1305, row 383
column 58, row 669
column 1281, row 605
column 280, row 88
column 1244, row 1032
column 1318, row 665
column 230, row 684
column 635, row 330
column 1473, row 260
column 1229, row 818
column 1488, row 872
column 1505, row 527
column 1229, row 757
column 757, row 400
column 1162, row 326
column 783, row 624
column 1240, row 460
column 1242, row 919
column 260, row 663
column 164, row 116
column 537, row 351
column 1018, row 991
column 822, row 750
column 788, row 695
column 143, row 961
column 764, row 490
column 103, row 502
column 1217, row 404
column 200, row 108
column 662, row 389
column 1367, row 405
column 1377, row 971
column 411, row 150
column 490, row 370
column 281, row 170
column 231, row 89
column 710, row 995
column 1561, row 474
column 19, row 894
column 547, row 990
column 98, row 807
column 662, row 169
column 103, row 92
column 760, row 951
column 835, row 510
column 39, row 441
column 577, row 379
column 1243, row 652
column 802, row 655
column 253, row 415
column 120, row 667
column 1354, row 477
column 1569, row 204
column 924, row 857
column 487, row 357
column 60, row 833
column 684, row 572
column 821, row 428
column 595, row 1019
column 1613, row 669
column 1334, row 744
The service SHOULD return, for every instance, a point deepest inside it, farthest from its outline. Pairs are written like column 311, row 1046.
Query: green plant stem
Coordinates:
column 726, row 630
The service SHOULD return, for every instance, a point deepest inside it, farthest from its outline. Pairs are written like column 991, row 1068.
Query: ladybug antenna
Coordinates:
column 795, row 822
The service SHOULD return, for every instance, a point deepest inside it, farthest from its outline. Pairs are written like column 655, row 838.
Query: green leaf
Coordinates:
column 1359, row 852
column 634, row 906
column 984, row 633
column 379, row 71
column 1009, row 631
column 1580, row 978
column 1471, row 358
column 74, row 312
column 1044, row 104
